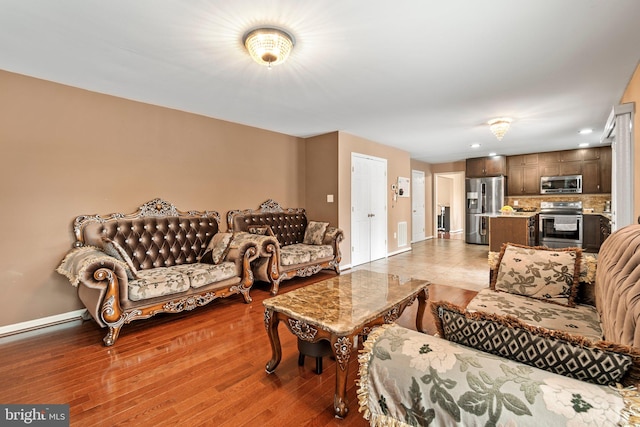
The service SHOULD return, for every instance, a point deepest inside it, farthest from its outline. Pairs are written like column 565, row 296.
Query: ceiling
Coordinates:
column 421, row 75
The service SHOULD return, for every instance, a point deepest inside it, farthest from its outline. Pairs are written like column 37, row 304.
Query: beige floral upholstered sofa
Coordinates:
column 155, row 260
column 525, row 352
column 290, row 245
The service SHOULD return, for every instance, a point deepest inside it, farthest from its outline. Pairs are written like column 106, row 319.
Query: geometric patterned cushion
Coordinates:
column 537, row 272
column 596, row 362
column 314, row 233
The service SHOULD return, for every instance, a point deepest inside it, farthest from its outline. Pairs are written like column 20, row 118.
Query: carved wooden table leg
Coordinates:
column 341, row 347
column 271, row 322
column 422, row 305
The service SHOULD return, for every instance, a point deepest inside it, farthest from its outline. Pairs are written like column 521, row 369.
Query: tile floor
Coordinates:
column 443, row 261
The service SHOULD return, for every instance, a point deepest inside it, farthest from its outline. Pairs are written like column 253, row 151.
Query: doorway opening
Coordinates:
column 448, row 205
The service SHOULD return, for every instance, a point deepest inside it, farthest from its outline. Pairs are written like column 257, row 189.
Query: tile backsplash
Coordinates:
column 589, row 201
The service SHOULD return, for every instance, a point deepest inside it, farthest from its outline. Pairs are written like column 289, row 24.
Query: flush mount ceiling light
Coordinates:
column 268, row 46
column 499, row 126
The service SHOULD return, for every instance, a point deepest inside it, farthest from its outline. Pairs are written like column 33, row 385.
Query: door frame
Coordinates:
column 418, row 186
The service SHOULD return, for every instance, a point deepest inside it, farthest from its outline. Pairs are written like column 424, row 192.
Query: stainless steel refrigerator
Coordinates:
column 484, row 197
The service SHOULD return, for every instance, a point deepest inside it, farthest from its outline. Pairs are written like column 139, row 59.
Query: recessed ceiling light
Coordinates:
column 476, row 145
column 493, row 154
column 583, row 145
column 585, row 131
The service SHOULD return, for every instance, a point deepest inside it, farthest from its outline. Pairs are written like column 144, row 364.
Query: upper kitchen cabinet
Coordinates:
column 522, row 175
column 605, row 169
column 596, row 171
column 486, row 166
column 594, row 164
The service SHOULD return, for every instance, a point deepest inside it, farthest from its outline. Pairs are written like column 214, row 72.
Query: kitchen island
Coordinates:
column 517, row 227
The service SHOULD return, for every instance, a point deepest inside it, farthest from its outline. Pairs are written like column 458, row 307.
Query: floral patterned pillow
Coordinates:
column 314, row 234
column 598, row 362
column 547, row 274
column 217, row 248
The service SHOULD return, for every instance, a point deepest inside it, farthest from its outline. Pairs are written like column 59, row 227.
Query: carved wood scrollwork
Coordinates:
column 302, row 330
column 108, row 310
column 270, row 206
column 392, row 315
column 343, row 348
column 189, row 303
column 308, row 271
column 267, row 318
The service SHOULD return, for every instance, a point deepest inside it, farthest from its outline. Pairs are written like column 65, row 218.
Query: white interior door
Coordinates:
column 378, row 190
column 418, row 213
column 368, row 209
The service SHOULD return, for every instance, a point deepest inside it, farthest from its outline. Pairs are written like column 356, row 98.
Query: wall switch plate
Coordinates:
column 329, row 198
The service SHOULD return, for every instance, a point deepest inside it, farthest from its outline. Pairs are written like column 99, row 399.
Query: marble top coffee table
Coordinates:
column 337, row 310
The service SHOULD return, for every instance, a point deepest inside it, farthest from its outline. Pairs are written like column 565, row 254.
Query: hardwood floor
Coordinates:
column 207, row 367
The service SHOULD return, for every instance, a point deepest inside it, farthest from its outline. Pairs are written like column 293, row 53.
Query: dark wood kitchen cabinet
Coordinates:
column 596, row 170
column 596, row 229
column 605, row 169
column 480, row 167
column 594, row 164
column 517, row 229
column 522, row 175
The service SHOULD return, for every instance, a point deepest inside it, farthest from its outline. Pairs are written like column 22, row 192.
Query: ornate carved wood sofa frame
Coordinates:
column 155, row 260
column 277, row 261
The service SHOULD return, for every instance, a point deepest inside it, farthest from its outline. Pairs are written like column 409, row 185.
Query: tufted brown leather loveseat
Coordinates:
column 165, row 267
column 286, row 238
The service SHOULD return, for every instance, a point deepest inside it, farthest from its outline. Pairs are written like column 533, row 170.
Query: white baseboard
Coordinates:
column 399, row 251
column 42, row 323
column 456, row 231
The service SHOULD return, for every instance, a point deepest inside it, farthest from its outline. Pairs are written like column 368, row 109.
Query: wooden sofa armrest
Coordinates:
column 242, row 252
column 333, row 236
column 101, row 281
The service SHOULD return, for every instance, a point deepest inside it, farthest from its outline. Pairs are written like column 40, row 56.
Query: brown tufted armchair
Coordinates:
column 155, row 260
column 285, row 250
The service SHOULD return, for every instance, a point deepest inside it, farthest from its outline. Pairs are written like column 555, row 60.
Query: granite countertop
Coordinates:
column 604, row 214
column 510, row 215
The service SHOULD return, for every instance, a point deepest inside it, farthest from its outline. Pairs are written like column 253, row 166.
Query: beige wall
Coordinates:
column 428, row 195
column 67, row 151
column 632, row 94
column 321, row 177
column 398, row 164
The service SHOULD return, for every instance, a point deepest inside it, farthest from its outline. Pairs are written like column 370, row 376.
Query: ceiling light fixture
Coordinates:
column 499, row 126
column 475, row 145
column 583, row 145
column 268, row 46
column 585, row 131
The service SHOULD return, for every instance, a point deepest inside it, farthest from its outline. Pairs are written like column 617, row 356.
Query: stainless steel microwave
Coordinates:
column 561, row 184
